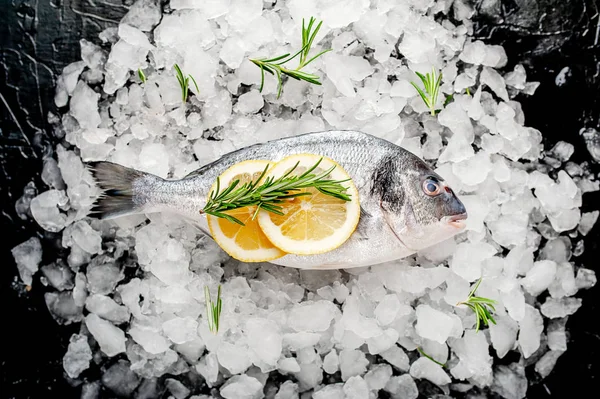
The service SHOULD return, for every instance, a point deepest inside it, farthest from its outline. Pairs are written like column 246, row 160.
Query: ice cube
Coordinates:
column 233, row 357
column 495, row 81
column 208, row 368
column 288, row 390
column 402, row 387
column 288, row 365
column 103, row 277
column 378, row 377
column 28, row 256
column 343, row 70
column 78, row 356
column 556, row 334
column 84, row 106
column 66, row 83
column 143, row 15
column 110, row 338
column 475, row 362
column 44, row 209
column 84, row 236
column 356, row 388
column 242, row 387
column 152, row 342
column 503, row 334
column 107, row 308
column 382, row 342
column 531, row 328
column 264, row 340
column 469, row 257
column 417, row 47
column 396, row 357
column 331, row 362
column 332, row 391
column 587, row 222
column 547, row 362
column 556, row 308
column 180, row 329
column 352, row 362
column 427, row 369
column 301, row 340
column 312, row 316
column 63, row 308
column 457, row 120
column 250, row 102
column 586, row 278
column 539, row 277
column 510, row 381
column 92, row 55
column 58, row 275
column 120, row 379
column 177, row 389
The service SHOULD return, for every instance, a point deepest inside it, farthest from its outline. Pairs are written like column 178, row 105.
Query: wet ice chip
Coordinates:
column 120, row 379
column 250, row 102
column 396, row 357
column 558, row 308
column 433, row 324
column 378, row 377
column 510, row 381
column 587, row 222
column 264, row 339
column 425, row 368
column 503, row 334
column 84, row 106
column 28, row 256
column 242, row 387
column 312, row 316
column 45, row 210
column 233, row 357
column 494, row 81
column 143, row 15
column 110, row 338
column 402, row 386
column 539, row 277
column 78, row 356
column 356, row 388
column 180, row 329
column 150, row 340
column 352, row 362
column 531, row 328
column 331, row 362
column 107, row 308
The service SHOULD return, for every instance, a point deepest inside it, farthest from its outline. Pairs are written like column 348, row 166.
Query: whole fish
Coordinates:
column 405, row 205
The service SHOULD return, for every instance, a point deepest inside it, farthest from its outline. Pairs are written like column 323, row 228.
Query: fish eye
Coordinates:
column 431, row 187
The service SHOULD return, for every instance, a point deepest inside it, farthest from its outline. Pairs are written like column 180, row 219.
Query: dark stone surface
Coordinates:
column 39, row 37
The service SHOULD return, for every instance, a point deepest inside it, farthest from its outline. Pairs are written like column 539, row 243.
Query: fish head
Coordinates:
column 420, row 207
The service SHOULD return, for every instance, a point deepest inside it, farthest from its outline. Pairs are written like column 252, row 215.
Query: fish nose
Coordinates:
column 455, row 207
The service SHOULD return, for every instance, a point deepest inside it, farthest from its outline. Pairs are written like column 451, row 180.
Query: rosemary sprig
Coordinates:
column 184, row 82
column 213, row 310
column 481, row 306
column 274, row 66
column 422, row 352
column 272, row 192
column 432, row 83
column 141, row 75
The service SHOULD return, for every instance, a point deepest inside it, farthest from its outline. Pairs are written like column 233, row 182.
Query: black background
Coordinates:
column 39, row 37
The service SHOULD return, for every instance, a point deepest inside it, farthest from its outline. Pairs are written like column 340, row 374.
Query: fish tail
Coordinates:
column 117, row 183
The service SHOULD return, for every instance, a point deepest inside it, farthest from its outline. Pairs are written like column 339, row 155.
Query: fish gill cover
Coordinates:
column 138, row 284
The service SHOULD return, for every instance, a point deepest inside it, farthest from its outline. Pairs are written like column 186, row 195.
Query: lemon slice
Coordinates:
column 316, row 223
column 246, row 243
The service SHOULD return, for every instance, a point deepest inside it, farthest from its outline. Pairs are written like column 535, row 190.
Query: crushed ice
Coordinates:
column 137, row 285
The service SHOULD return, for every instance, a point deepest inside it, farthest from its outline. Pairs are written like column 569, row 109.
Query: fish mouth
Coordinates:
column 457, row 221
